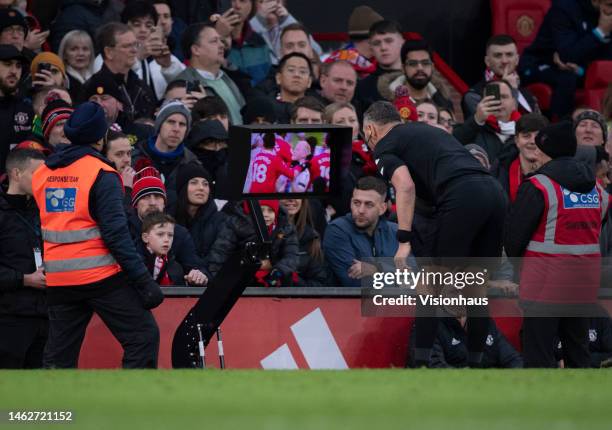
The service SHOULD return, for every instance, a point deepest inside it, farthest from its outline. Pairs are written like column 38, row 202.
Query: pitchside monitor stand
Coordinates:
column 221, row 294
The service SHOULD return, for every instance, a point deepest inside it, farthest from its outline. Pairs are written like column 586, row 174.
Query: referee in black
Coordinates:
column 427, row 163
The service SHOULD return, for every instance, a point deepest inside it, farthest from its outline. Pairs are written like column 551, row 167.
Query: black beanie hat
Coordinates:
column 188, row 171
column 87, row 124
column 557, row 140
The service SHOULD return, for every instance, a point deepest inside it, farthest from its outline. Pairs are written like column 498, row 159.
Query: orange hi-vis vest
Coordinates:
column 74, row 252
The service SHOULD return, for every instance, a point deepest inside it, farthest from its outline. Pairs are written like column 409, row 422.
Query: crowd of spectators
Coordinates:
column 173, row 76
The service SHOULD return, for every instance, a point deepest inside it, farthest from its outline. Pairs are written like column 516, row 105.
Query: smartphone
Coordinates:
column 192, row 86
column 223, row 6
column 493, row 90
column 157, row 34
column 43, row 66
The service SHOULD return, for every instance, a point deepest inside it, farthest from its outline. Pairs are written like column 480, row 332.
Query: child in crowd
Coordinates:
column 157, row 236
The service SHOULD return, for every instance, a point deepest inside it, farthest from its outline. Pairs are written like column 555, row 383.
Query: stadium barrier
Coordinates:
column 292, row 328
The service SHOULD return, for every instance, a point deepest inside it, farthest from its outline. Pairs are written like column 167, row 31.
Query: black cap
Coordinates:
column 10, row 17
column 208, row 129
column 9, row 52
column 557, row 140
column 102, row 83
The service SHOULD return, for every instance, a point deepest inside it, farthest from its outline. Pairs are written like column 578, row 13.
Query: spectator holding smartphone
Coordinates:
column 48, row 70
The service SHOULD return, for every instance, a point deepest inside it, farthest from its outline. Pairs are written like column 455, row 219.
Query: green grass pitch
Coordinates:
column 295, row 400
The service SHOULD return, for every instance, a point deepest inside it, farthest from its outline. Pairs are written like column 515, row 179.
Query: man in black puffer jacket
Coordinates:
column 23, row 306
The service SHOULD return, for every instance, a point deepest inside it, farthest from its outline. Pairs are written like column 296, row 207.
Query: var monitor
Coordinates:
column 287, row 161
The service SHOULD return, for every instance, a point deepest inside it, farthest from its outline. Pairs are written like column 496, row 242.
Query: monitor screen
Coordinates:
column 288, row 161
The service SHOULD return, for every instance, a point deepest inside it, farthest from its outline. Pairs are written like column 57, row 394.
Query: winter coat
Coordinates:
column 19, row 236
column 238, row 229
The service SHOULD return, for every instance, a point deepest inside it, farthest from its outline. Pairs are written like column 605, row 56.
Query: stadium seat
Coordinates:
column 542, row 93
column 521, row 19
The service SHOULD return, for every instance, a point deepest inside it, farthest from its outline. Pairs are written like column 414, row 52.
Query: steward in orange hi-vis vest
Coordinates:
column 90, row 260
column 74, row 252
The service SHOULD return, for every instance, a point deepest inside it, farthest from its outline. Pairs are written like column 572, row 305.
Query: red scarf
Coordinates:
column 494, row 124
column 516, row 177
column 362, row 151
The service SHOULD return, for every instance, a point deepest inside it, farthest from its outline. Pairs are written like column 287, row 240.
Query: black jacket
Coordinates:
column 526, row 211
column 483, row 136
column 139, row 101
column 567, row 28
column 311, row 272
column 205, row 227
column 367, row 88
column 16, row 117
column 182, row 250
column 472, row 97
column 19, row 236
column 500, row 168
column 86, row 15
column 600, row 338
column 238, row 229
column 450, row 347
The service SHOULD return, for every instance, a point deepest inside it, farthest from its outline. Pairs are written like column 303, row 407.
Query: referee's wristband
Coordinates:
column 404, row 236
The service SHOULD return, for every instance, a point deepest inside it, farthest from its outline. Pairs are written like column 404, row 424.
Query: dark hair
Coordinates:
column 20, row 158
column 381, row 113
column 106, row 36
column 155, row 218
column 372, row 183
column 289, row 56
column 531, row 122
column 138, row 9
column 308, row 102
column 166, row 2
column 208, row 106
column 269, row 140
column 191, row 36
column 111, row 136
column 182, row 215
column 385, row 26
column 296, row 26
column 303, row 218
column 178, row 83
column 500, row 40
column 498, row 82
column 415, row 45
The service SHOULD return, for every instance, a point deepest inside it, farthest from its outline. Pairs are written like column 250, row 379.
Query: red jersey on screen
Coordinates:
column 319, row 166
column 283, row 149
column 267, row 167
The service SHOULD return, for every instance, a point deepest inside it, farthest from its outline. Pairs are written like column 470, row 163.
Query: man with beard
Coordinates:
column 353, row 239
column 15, row 114
column 418, row 69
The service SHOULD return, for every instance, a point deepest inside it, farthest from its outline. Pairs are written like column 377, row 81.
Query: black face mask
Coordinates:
column 212, row 160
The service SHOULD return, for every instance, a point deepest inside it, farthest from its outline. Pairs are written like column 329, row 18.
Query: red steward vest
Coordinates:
column 562, row 262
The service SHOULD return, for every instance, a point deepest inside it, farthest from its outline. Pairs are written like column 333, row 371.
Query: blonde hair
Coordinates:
column 330, row 110
column 69, row 38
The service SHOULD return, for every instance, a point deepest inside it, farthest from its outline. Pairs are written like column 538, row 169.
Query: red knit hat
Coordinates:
column 404, row 104
column 272, row 204
column 147, row 181
column 54, row 112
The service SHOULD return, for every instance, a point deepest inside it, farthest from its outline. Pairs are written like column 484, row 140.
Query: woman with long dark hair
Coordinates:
column 312, row 269
column 196, row 209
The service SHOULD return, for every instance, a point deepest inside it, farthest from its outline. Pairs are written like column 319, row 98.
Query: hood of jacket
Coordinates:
column 574, row 175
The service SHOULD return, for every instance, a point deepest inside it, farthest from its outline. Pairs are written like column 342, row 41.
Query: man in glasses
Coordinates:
column 418, row 69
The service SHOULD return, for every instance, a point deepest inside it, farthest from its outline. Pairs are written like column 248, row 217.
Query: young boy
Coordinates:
column 157, row 236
